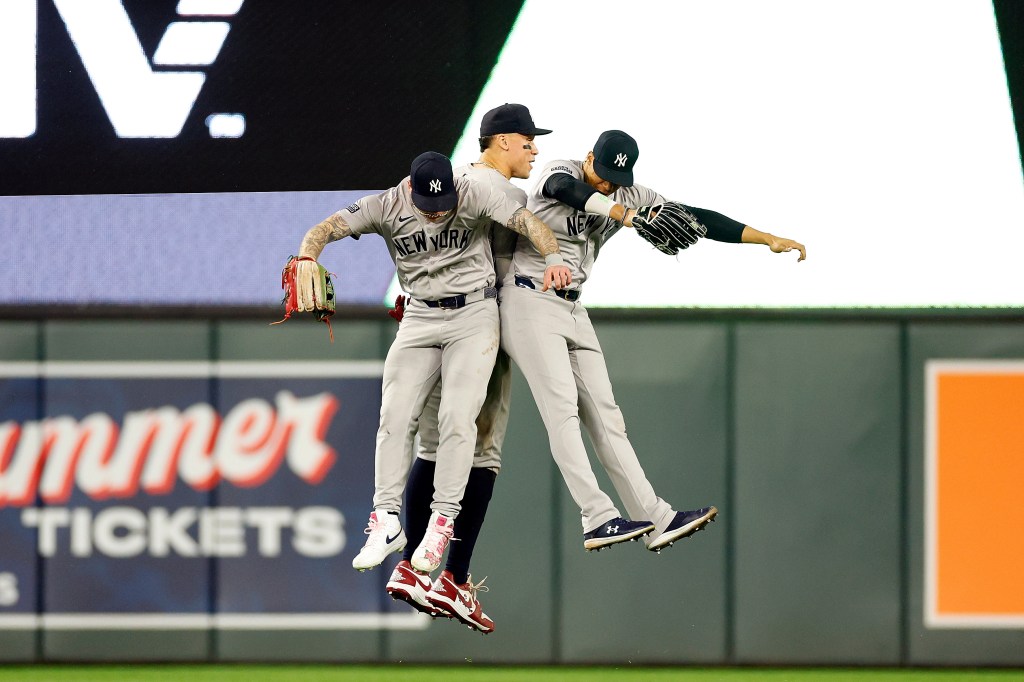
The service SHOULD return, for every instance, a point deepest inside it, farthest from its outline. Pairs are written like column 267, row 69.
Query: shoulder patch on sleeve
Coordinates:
column 352, row 208
column 564, row 169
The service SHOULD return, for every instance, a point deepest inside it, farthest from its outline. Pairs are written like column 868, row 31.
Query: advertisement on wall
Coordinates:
column 189, row 495
column 974, row 474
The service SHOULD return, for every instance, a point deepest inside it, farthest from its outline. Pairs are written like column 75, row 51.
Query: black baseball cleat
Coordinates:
column 615, row 531
column 685, row 524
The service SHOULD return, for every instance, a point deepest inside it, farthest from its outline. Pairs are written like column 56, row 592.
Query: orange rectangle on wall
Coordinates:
column 974, row 515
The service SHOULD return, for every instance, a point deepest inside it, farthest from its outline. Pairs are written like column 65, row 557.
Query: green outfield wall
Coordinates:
column 808, row 432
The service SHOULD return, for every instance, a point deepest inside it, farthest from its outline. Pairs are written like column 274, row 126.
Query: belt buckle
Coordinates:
column 449, row 303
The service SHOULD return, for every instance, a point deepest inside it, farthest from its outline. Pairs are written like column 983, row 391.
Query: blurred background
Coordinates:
column 181, row 482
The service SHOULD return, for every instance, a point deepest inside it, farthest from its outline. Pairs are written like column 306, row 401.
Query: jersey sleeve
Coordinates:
column 536, row 199
column 495, row 204
column 637, row 196
column 516, row 194
column 554, row 168
column 365, row 216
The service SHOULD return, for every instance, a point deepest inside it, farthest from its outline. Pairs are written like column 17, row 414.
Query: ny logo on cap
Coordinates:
column 620, row 160
column 435, row 186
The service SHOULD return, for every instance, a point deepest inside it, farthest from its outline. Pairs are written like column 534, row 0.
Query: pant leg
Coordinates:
column 492, row 421
column 427, row 430
column 534, row 331
column 491, row 424
column 411, row 370
column 470, row 344
column 603, row 420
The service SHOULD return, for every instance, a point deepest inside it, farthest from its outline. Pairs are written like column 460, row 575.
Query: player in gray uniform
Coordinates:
column 507, row 151
column 437, row 229
column 550, row 337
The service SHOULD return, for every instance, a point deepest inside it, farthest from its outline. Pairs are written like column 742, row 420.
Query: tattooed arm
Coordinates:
column 320, row 235
column 543, row 239
column 528, row 225
column 308, row 287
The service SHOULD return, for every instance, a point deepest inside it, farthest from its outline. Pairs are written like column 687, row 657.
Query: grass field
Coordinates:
column 401, row 673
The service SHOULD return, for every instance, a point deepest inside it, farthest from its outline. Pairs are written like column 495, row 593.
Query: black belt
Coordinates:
column 460, row 300
column 567, row 294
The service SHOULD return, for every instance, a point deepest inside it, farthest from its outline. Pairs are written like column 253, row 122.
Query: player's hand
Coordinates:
column 781, row 245
column 557, row 276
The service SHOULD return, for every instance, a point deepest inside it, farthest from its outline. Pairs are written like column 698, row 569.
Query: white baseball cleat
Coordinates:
column 386, row 536
column 427, row 556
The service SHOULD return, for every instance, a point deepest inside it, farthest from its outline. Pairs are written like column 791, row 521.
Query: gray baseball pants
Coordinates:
column 555, row 346
column 457, row 348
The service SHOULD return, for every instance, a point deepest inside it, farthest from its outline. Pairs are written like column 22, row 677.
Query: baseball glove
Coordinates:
column 398, row 312
column 670, row 227
column 307, row 288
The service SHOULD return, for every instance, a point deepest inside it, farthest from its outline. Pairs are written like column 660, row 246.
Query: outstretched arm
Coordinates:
column 776, row 244
column 581, row 196
column 722, row 228
column 525, row 223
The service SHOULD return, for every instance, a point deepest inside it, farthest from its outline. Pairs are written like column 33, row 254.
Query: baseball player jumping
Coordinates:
column 437, row 229
column 549, row 335
column 508, row 150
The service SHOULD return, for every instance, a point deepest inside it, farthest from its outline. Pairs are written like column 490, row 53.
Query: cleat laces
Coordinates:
column 436, row 542
column 377, row 530
column 474, row 588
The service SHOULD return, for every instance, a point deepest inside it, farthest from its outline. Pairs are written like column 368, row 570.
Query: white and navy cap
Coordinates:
column 615, row 153
column 433, row 187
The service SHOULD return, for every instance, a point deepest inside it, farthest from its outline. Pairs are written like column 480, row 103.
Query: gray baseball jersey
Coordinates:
column 580, row 235
column 554, row 344
column 435, row 260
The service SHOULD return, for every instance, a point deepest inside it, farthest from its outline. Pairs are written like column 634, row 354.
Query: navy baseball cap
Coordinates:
column 614, row 156
column 433, row 187
column 509, row 118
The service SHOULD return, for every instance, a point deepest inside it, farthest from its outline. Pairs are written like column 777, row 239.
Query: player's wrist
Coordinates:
column 553, row 259
column 600, row 204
